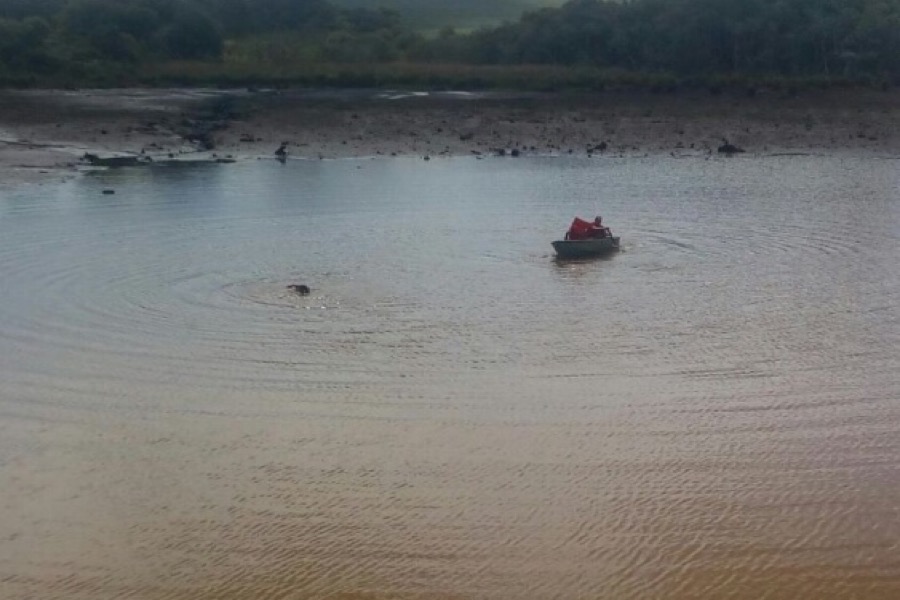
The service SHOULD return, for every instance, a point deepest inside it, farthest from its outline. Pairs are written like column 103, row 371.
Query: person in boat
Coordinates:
column 598, row 230
column 585, row 230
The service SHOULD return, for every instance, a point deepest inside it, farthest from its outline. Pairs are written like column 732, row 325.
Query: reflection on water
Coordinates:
column 452, row 412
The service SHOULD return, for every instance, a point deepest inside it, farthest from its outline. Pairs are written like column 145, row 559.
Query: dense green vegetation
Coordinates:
column 462, row 14
column 345, row 42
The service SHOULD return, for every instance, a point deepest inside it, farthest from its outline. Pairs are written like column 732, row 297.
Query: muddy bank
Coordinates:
column 44, row 134
column 597, row 124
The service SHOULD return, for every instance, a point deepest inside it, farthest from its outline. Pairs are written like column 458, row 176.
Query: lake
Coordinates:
column 712, row 412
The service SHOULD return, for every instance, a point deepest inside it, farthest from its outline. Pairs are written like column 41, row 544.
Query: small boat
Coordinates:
column 586, row 248
column 585, row 239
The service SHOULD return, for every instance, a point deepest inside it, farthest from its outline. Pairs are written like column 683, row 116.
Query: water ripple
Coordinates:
column 451, row 412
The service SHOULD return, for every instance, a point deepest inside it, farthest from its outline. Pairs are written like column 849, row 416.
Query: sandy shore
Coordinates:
column 45, row 133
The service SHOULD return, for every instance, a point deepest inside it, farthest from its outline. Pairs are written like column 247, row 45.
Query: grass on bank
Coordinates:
column 405, row 75
column 543, row 78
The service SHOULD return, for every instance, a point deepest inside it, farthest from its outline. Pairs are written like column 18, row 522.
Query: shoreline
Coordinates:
column 44, row 134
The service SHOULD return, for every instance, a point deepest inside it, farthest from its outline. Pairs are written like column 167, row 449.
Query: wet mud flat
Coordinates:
column 46, row 133
column 614, row 123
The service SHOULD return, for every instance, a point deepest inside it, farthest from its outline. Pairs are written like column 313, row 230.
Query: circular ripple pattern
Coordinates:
column 452, row 412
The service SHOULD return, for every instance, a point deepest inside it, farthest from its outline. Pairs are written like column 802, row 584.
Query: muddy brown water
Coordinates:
column 451, row 412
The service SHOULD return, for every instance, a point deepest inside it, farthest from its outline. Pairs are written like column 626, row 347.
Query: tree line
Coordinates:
column 840, row 39
column 689, row 37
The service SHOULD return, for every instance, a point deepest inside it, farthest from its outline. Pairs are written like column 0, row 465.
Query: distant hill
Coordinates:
column 463, row 14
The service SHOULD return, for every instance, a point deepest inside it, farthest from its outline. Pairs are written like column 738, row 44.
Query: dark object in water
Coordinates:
column 729, row 148
column 300, row 288
column 108, row 192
